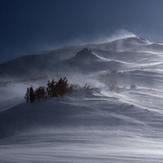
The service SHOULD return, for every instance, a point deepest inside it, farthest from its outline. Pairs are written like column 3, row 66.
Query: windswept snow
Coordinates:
column 120, row 126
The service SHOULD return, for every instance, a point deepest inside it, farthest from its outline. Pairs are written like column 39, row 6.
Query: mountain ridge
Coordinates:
column 76, row 57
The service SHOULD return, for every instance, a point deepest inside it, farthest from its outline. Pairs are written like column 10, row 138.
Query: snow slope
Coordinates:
column 87, row 126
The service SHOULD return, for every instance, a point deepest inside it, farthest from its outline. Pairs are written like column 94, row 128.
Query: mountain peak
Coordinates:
column 85, row 53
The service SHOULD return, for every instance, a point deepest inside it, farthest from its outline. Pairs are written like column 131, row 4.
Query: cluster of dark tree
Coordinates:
column 53, row 89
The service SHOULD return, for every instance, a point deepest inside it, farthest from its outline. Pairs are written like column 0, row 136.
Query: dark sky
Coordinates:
column 33, row 25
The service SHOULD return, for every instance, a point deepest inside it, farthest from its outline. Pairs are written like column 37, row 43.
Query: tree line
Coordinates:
column 53, row 88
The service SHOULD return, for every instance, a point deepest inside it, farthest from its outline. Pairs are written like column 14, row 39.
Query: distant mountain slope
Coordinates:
column 88, row 61
column 34, row 64
column 115, row 55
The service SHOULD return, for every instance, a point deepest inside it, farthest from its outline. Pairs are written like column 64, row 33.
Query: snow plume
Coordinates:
column 101, row 38
column 120, row 34
column 117, row 35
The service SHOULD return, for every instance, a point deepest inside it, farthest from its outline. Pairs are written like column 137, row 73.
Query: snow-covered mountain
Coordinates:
column 117, row 54
column 100, row 125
